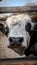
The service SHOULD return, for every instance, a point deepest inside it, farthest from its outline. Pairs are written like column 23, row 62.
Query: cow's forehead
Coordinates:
column 17, row 18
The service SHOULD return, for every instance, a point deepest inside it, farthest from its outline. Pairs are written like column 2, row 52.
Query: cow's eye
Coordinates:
column 28, row 27
column 6, row 31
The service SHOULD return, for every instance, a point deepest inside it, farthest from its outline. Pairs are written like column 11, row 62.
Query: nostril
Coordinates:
column 10, row 39
column 21, row 39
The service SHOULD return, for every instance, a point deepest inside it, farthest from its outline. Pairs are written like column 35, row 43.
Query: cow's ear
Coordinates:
column 34, row 18
column 28, row 27
column 4, row 29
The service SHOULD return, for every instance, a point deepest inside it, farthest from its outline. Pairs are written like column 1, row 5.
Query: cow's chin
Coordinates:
column 17, row 48
column 15, row 45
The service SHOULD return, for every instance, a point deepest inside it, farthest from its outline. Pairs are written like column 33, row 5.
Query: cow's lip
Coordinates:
column 13, row 44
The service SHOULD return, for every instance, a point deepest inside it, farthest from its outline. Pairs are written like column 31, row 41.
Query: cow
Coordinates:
column 20, row 30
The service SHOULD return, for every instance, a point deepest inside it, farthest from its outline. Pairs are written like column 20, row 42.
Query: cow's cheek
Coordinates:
column 26, row 40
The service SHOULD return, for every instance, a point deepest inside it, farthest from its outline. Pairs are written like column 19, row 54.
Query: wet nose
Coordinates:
column 18, row 39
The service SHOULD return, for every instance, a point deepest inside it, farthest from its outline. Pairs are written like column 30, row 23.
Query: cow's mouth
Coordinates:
column 14, row 44
column 17, row 48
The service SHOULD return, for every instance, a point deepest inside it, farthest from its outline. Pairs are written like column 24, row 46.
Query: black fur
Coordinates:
column 3, row 29
column 33, row 40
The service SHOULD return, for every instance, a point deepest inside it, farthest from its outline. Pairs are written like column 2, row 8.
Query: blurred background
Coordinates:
column 10, row 3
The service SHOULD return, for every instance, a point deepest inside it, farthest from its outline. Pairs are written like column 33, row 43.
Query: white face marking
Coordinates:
column 16, row 26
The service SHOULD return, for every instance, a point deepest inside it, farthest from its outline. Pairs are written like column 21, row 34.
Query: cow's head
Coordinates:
column 16, row 29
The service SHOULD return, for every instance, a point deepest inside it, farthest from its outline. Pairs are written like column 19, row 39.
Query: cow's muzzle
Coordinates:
column 17, row 40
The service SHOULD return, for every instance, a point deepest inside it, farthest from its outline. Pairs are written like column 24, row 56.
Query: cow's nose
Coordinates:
column 18, row 39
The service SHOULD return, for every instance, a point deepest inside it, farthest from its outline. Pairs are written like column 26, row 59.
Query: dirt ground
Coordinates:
column 6, row 52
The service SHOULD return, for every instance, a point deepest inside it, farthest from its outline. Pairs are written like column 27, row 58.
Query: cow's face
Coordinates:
column 17, row 30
